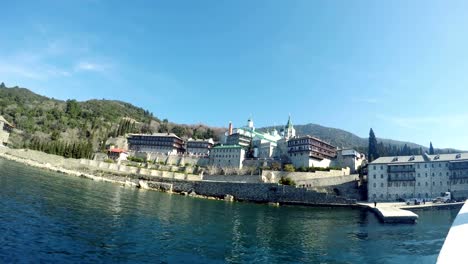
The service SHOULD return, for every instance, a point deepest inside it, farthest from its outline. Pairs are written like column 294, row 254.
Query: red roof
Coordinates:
column 117, row 150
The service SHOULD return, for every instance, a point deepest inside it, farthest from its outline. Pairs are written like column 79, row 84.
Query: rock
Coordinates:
column 192, row 193
column 143, row 184
column 184, row 193
column 229, row 198
column 274, row 204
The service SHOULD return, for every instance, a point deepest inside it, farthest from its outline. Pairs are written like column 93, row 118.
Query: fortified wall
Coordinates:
column 180, row 182
column 178, row 160
column 255, row 192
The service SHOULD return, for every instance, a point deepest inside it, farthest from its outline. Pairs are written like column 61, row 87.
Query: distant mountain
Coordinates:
column 39, row 118
column 48, row 120
column 345, row 139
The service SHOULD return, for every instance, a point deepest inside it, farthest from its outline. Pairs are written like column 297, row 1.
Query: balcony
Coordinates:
column 401, row 169
column 458, row 166
column 397, row 177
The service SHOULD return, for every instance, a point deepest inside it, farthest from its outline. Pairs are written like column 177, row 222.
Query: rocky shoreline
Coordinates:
column 268, row 193
column 121, row 180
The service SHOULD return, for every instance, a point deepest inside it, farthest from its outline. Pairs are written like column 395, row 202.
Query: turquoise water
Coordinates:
column 50, row 217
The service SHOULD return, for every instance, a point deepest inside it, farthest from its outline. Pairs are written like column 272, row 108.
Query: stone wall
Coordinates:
column 178, row 160
column 112, row 167
column 311, row 179
column 234, row 178
column 255, row 192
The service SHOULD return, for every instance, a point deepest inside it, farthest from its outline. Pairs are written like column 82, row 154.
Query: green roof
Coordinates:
column 289, row 124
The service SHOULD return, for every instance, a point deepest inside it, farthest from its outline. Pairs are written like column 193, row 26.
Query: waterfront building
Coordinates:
column 227, row 156
column 421, row 176
column 348, row 158
column 200, row 147
column 5, row 129
column 309, row 151
column 165, row 143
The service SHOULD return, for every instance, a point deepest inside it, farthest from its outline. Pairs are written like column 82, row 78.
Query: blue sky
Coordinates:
column 399, row 67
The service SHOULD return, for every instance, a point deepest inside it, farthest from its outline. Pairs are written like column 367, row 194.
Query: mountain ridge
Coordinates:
column 95, row 119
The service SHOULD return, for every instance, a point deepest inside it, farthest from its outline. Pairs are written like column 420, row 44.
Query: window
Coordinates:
column 419, row 184
column 375, row 176
column 381, row 176
column 427, row 183
column 375, row 185
column 381, row 185
column 381, row 167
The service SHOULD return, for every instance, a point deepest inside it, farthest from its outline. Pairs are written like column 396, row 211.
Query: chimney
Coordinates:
column 230, row 128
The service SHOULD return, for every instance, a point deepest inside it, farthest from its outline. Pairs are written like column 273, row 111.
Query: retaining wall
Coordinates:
column 255, row 192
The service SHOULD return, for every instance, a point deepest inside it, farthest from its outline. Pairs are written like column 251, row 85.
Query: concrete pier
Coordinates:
column 389, row 213
column 395, row 215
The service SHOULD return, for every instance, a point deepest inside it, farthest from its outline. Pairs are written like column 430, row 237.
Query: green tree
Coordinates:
column 289, row 168
column 373, row 153
column 431, row 149
column 73, row 108
column 287, row 181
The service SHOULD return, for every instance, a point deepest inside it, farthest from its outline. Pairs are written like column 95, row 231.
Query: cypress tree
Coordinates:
column 431, row 149
column 372, row 154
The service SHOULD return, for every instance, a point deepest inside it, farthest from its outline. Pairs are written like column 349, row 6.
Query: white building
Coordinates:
column 5, row 130
column 348, row 158
column 227, row 156
column 422, row 176
column 309, row 151
column 264, row 144
column 199, row 147
column 164, row 143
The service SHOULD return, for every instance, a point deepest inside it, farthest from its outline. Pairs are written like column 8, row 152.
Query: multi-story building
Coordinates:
column 5, row 130
column 309, row 151
column 422, row 176
column 348, row 158
column 199, row 147
column 165, row 143
column 264, row 144
column 227, row 156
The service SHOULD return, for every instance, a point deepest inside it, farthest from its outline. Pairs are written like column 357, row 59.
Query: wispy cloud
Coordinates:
column 92, row 66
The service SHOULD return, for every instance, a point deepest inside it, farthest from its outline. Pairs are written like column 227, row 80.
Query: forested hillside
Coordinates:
column 74, row 129
column 43, row 121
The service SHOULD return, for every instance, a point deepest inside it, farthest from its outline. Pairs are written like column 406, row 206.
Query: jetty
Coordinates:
column 391, row 213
